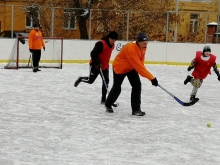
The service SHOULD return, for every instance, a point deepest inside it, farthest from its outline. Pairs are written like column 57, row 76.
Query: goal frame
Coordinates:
column 19, row 39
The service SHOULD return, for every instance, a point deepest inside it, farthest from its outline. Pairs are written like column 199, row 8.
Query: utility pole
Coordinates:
column 52, row 19
column 216, row 39
column 176, row 26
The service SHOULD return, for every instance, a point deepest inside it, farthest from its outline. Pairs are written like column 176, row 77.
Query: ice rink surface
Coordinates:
column 45, row 120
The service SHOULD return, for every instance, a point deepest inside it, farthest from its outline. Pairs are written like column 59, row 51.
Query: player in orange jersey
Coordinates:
column 129, row 63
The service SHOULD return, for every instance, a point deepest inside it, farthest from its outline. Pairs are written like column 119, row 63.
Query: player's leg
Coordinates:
column 93, row 73
column 135, row 82
column 34, row 60
column 38, row 59
column 196, row 83
column 188, row 79
column 104, row 90
column 115, row 91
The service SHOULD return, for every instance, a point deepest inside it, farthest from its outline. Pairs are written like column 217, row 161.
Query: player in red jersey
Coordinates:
column 201, row 64
column 100, row 56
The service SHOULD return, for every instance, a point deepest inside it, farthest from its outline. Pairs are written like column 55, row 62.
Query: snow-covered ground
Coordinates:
column 45, row 120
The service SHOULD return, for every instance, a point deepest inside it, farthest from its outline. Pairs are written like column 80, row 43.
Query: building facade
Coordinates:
column 187, row 23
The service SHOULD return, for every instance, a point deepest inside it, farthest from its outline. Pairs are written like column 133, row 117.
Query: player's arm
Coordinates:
column 95, row 53
column 192, row 65
column 215, row 68
column 30, row 41
column 42, row 42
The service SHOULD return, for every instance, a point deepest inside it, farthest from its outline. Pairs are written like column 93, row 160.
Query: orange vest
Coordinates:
column 131, row 57
column 36, row 40
column 202, row 67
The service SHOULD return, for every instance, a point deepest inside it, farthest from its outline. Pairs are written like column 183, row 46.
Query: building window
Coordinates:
column 69, row 19
column 32, row 16
column 194, row 23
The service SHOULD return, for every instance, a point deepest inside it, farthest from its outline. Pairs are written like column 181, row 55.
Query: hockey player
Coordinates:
column 129, row 63
column 100, row 56
column 201, row 64
column 36, row 43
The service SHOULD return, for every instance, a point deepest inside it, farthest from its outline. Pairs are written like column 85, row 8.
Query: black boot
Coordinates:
column 138, row 113
column 109, row 109
column 35, row 69
column 77, row 81
column 192, row 97
column 188, row 79
column 103, row 100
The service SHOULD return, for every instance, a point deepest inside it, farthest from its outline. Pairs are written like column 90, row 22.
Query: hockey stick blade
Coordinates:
column 191, row 102
column 178, row 100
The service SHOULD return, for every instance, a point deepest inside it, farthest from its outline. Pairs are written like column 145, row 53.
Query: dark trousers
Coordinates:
column 94, row 72
column 134, row 79
column 36, row 55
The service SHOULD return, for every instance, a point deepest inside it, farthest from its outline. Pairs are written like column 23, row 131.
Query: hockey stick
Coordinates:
column 178, row 100
column 103, row 79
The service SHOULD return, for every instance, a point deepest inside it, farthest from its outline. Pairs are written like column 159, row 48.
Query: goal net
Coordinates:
column 20, row 56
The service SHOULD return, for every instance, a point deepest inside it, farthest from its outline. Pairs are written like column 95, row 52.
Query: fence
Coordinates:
column 78, row 23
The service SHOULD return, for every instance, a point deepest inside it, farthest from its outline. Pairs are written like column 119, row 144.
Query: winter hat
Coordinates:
column 206, row 49
column 142, row 37
column 113, row 35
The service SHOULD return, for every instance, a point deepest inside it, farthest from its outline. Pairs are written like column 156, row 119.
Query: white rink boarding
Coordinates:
column 78, row 51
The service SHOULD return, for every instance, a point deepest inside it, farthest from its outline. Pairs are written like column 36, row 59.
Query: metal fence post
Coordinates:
column 206, row 22
column 52, row 22
column 176, row 28
column 90, row 23
column 127, row 25
column 12, row 20
column 167, row 27
column 216, row 39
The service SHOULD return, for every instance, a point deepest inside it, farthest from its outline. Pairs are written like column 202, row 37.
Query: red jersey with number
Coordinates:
column 202, row 66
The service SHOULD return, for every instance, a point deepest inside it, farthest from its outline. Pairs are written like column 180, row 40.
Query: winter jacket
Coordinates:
column 131, row 57
column 36, row 40
column 101, row 53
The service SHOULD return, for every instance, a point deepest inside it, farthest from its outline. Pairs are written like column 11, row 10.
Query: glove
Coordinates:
column 99, row 65
column 218, row 78
column 44, row 48
column 154, row 82
column 189, row 68
column 31, row 50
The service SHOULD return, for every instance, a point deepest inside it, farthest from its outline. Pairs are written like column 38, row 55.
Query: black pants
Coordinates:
column 36, row 55
column 94, row 72
column 135, row 82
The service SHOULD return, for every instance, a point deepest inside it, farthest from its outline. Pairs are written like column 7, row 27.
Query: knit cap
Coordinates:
column 142, row 37
column 206, row 49
column 113, row 35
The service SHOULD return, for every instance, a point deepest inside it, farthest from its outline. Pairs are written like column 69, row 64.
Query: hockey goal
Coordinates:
column 20, row 56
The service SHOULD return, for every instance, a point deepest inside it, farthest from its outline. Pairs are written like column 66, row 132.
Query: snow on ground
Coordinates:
column 45, row 120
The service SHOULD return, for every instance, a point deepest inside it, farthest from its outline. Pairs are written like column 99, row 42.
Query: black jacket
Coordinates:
column 98, row 48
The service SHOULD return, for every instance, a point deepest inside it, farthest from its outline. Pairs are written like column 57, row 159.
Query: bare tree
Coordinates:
column 82, row 15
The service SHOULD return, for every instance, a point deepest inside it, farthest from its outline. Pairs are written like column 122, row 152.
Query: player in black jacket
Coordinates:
column 100, row 56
